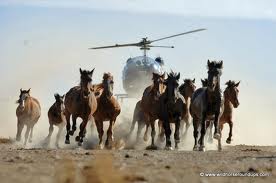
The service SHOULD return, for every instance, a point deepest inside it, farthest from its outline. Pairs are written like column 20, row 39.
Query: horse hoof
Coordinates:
column 217, row 136
column 202, row 148
column 71, row 133
column 146, row 138
column 77, row 138
column 219, row 149
column 168, row 148
column 228, row 141
column 151, row 147
column 18, row 139
column 100, row 146
column 195, row 148
column 79, row 143
column 67, row 141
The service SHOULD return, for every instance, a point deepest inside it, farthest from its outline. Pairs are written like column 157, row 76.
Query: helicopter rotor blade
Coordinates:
column 160, row 46
column 116, row 45
column 197, row 30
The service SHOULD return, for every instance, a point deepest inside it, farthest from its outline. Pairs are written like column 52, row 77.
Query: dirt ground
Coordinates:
column 104, row 166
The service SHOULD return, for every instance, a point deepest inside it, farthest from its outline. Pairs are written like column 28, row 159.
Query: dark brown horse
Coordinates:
column 150, row 105
column 207, row 104
column 80, row 101
column 138, row 116
column 231, row 101
column 186, row 90
column 28, row 112
column 56, row 116
column 172, row 107
column 108, row 110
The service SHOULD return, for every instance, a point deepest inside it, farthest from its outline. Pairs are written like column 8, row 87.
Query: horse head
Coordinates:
column 172, row 85
column 187, row 88
column 231, row 93
column 158, row 81
column 86, row 79
column 214, row 73
column 108, row 84
column 24, row 94
column 60, row 102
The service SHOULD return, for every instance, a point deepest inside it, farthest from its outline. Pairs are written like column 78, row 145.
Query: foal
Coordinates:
column 56, row 116
column 108, row 109
column 28, row 112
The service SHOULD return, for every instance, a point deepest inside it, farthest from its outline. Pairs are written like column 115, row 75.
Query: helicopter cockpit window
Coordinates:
column 138, row 63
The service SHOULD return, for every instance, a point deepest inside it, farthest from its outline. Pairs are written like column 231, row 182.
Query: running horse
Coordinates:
column 150, row 105
column 28, row 112
column 186, row 90
column 80, row 101
column 108, row 110
column 231, row 101
column 207, row 104
column 172, row 108
column 56, row 116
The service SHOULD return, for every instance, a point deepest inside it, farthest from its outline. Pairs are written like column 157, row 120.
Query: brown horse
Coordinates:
column 186, row 90
column 108, row 110
column 138, row 116
column 80, row 101
column 28, row 112
column 230, row 101
column 150, row 105
column 56, row 116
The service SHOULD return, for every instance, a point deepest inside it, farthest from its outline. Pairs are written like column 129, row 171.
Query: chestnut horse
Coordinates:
column 206, row 104
column 28, row 112
column 80, row 101
column 230, row 101
column 108, row 110
column 56, row 116
column 186, row 90
column 150, row 105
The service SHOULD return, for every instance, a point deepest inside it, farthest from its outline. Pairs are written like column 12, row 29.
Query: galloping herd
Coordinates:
column 164, row 100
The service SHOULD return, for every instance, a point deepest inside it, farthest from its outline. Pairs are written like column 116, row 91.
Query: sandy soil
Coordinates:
column 81, row 165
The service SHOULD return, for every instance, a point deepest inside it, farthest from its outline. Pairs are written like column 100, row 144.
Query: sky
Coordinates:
column 44, row 42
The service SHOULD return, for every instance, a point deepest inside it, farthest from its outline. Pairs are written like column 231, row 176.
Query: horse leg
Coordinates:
column 31, row 134
column 82, row 132
column 188, row 124
column 176, row 132
column 161, row 136
column 146, row 133
column 110, row 139
column 228, row 140
column 27, row 134
column 153, row 133
column 48, row 138
column 167, row 128
column 60, row 128
column 141, row 125
column 74, row 126
column 216, row 125
column 195, row 125
column 20, row 126
column 99, row 125
column 68, row 126
column 210, row 133
column 202, row 134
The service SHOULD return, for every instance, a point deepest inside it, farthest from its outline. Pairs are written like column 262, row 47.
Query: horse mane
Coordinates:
column 230, row 83
column 215, row 64
column 107, row 76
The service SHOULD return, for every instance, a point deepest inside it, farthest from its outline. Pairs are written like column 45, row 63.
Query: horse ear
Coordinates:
column 237, row 84
column 80, row 71
column 163, row 76
column 91, row 72
column 21, row 90
column 63, row 96
column 29, row 90
column 202, row 82
column 208, row 63
column 56, row 96
column 221, row 63
column 194, row 80
column 178, row 76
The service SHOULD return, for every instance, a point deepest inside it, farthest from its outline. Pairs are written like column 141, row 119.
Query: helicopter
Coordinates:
column 137, row 73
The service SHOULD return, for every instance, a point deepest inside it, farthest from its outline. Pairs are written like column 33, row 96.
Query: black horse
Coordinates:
column 172, row 104
column 207, row 104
